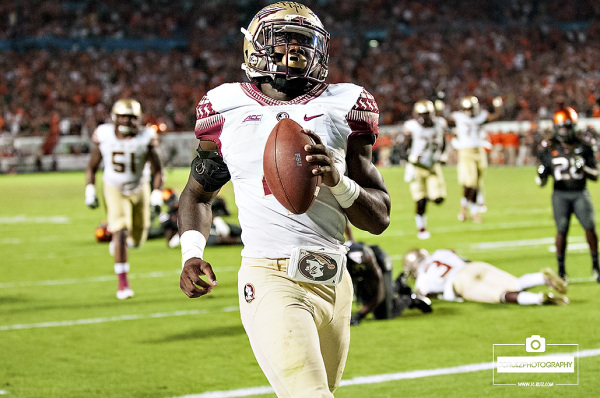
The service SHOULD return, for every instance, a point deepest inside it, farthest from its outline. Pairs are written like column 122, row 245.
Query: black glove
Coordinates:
column 421, row 302
column 356, row 318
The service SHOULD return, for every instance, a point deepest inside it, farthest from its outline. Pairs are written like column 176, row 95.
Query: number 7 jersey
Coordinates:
column 124, row 159
column 436, row 274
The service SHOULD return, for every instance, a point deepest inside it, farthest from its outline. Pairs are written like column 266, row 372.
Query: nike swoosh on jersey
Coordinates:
column 307, row 118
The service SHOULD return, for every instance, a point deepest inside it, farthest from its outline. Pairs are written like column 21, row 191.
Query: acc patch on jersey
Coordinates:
column 249, row 292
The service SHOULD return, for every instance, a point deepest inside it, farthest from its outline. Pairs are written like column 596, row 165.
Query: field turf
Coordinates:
column 64, row 334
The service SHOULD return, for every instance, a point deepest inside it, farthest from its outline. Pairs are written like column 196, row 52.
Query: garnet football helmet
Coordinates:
column 470, row 105
column 412, row 259
column 423, row 112
column 564, row 121
column 127, row 107
column 286, row 40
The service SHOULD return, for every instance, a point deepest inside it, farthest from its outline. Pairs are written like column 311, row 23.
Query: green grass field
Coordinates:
column 64, row 334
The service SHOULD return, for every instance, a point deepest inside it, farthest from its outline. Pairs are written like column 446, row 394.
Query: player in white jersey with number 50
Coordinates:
column 126, row 148
column 299, row 331
column 446, row 275
column 425, row 134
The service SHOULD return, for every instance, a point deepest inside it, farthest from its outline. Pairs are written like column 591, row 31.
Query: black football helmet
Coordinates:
column 564, row 121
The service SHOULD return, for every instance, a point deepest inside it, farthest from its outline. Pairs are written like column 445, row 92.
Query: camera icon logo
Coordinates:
column 535, row 343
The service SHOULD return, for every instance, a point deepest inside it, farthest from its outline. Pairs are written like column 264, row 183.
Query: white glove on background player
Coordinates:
column 91, row 200
column 156, row 198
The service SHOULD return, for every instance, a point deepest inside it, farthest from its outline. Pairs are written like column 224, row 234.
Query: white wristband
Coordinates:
column 345, row 191
column 90, row 191
column 192, row 245
column 156, row 198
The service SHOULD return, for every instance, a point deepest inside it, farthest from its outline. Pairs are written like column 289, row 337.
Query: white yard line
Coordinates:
column 459, row 227
column 102, row 278
column 374, row 379
column 23, row 219
column 119, row 318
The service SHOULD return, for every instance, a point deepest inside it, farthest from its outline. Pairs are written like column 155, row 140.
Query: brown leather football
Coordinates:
column 288, row 174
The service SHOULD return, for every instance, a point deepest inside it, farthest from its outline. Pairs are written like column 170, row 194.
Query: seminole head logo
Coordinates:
column 318, row 267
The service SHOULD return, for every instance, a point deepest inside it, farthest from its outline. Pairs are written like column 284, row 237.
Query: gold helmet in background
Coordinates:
column 440, row 106
column 470, row 105
column 423, row 112
column 286, row 39
column 412, row 259
column 127, row 107
column 424, row 106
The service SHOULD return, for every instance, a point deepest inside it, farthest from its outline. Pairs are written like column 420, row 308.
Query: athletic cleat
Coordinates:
column 597, row 275
column 423, row 234
column 462, row 214
column 554, row 281
column 551, row 299
column 125, row 293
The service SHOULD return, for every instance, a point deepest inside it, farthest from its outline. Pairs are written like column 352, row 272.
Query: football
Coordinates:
column 287, row 173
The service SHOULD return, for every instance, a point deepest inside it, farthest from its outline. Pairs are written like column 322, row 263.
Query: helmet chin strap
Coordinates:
column 291, row 86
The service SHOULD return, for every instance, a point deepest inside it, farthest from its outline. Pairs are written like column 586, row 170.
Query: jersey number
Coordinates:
column 440, row 264
column 120, row 167
column 564, row 170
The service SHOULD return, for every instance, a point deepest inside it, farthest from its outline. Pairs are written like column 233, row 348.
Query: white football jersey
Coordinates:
column 468, row 129
column 239, row 118
column 125, row 160
column 436, row 274
column 427, row 142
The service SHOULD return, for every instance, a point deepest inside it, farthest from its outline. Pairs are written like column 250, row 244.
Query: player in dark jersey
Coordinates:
column 371, row 270
column 571, row 162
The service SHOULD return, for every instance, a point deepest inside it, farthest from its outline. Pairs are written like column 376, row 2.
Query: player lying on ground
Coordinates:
column 445, row 275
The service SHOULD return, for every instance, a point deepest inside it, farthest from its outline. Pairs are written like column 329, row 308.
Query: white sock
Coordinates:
column 480, row 199
column 121, row 268
column 473, row 208
column 528, row 298
column 530, row 280
column 421, row 221
column 464, row 202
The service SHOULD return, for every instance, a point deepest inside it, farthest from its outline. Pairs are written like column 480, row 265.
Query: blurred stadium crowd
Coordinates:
column 63, row 64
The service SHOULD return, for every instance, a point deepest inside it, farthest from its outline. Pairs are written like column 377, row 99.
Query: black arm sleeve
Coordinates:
column 209, row 169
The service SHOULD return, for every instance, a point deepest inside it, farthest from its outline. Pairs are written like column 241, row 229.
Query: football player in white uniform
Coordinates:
column 470, row 143
column 446, row 275
column 425, row 134
column 126, row 148
column 299, row 332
